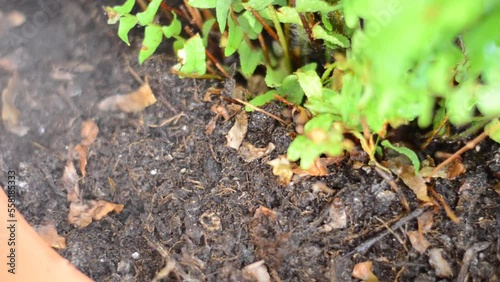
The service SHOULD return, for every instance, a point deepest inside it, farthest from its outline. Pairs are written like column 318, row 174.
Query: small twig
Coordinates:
column 363, row 248
column 468, row 256
column 168, row 120
column 468, row 146
column 392, row 232
column 260, row 110
column 447, row 209
column 265, row 25
column 394, row 187
column 132, row 71
column 434, row 132
column 264, row 49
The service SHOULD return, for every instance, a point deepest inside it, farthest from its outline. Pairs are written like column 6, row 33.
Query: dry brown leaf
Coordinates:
column 337, row 217
column 89, row 132
column 418, row 241
column 450, row 171
column 70, row 182
column 49, row 235
column 318, row 168
column 81, row 213
column 363, row 271
column 238, row 131
column 266, row 212
column 249, row 152
column 10, row 114
column 415, row 182
column 425, row 222
column 220, row 110
column 82, row 151
column 257, row 272
column 282, row 169
column 130, row 103
column 440, row 265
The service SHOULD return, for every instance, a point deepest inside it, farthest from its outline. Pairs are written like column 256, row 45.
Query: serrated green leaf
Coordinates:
column 234, row 38
column 291, row 89
column 127, row 22
column 334, row 38
column 205, row 30
column 314, row 6
column 249, row 58
column 322, row 121
column 153, row 36
column 325, row 19
column 221, row 13
column 125, row 8
column 493, row 130
column 310, row 83
column 203, row 4
column 193, row 56
column 404, row 151
column 174, row 28
column 258, row 4
column 261, row 100
column 148, row 15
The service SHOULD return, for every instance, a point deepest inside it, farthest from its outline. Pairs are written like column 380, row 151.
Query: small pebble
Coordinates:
column 136, row 255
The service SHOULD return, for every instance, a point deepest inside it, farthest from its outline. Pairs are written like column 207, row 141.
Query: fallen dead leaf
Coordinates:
column 238, row 131
column 49, row 235
column 425, row 221
column 81, row 213
column 250, row 153
column 70, row 182
column 319, row 167
column 363, row 271
column 130, row 103
column 88, row 134
column 415, row 182
column 282, row 169
column 418, row 241
column 266, row 212
column 337, row 217
column 440, row 265
column 449, row 171
column 10, row 114
column 257, row 271
column 210, row 221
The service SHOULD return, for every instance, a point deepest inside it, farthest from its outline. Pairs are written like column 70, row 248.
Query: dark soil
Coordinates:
column 176, row 182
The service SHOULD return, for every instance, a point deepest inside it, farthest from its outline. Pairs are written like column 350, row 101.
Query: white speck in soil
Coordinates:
column 153, row 172
column 135, row 255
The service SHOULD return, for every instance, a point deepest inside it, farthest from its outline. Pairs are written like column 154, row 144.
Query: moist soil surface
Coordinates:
column 192, row 203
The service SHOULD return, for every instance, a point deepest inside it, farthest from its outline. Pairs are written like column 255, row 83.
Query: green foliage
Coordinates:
column 393, row 69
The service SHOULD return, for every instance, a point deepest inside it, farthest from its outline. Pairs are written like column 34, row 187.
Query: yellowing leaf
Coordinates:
column 130, row 103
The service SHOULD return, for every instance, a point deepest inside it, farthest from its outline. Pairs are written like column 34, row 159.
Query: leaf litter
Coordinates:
column 133, row 102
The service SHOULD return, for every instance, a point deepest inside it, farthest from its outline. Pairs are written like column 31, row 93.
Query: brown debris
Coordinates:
column 81, row 213
column 10, row 114
column 49, row 235
column 282, row 169
column 363, row 271
column 257, row 272
column 237, row 133
column 440, row 265
column 133, row 102
column 88, row 134
column 250, row 153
